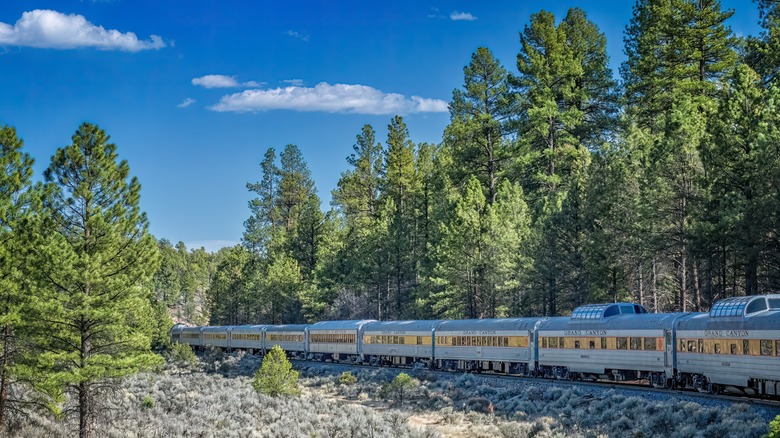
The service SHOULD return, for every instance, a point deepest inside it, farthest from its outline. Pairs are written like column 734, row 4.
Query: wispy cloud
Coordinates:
column 294, row 82
column 49, row 29
column 299, row 35
column 186, row 102
column 461, row 16
column 223, row 81
column 434, row 13
column 324, row 97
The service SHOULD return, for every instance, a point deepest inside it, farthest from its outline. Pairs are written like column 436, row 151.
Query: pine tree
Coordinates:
column 265, row 210
column 570, row 102
column 479, row 122
column 400, row 186
column 16, row 204
column 90, row 307
column 276, row 376
column 740, row 164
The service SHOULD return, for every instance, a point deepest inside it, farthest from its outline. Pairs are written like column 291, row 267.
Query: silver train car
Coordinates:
column 736, row 344
column 290, row 337
column 505, row 345
column 214, row 336
column 615, row 341
column 398, row 342
column 246, row 337
column 336, row 340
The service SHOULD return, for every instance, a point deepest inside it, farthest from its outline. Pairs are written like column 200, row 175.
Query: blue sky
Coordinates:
column 193, row 92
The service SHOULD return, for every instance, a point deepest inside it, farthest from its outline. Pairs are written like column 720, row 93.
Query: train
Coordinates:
column 735, row 346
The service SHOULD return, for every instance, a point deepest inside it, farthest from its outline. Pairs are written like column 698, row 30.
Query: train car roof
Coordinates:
column 616, row 322
column 194, row 328
column 765, row 320
column 340, row 325
column 411, row 325
column 488, row 324
column 178, row 327
column 247, row 328
column 215, row 328
column 286, row 328
column 752, row 312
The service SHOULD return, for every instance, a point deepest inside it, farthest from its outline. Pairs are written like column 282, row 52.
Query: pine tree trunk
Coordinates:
column 4, row 375
column 655, row 287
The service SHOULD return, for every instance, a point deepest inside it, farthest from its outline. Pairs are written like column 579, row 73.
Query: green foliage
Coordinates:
column 89, row 314
column 347, row 378
column 398, row 388
column 17, row 206
column 276, row 376
column 181, row 355
column 774, row 428
column 147, row 402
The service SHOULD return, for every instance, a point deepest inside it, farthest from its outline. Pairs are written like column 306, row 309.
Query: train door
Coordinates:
column 531, row 344
column 668, row 353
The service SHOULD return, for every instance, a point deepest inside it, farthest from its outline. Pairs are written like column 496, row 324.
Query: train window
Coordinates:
column 691, row 345
column 682, row 345
column 402, row 339
column 561, row 342
column 716, row 347
column 622, row 343
column 603, row 343
column 636, row 343
column 701, row 346
column 553, row 342
column 576, row 344
column 506, row 341
column 734, row 349
column 777, row 348
column 544, row 342
column 766, row 347
column 745, row 346
column 649, row 344
column 591, row 344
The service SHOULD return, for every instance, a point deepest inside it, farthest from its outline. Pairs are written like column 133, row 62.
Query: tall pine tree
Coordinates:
column 91, row 308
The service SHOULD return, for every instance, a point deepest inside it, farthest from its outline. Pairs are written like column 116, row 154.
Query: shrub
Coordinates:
column 774, row 428
column 346, row 378
column 276, row 376
column 181, row 355
column 397, row 389
column 147, row 402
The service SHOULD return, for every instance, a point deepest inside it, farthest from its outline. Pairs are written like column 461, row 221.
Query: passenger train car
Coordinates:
column 505, row 345
column 618, row 341
column 736, row 345
column 398, row 342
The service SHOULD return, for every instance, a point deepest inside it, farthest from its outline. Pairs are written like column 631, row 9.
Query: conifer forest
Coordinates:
column 557, row 182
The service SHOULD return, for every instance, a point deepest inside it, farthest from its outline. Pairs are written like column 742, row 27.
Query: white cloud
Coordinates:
column 461, row 16
column 216, row 81
column 337, row 98
column 186, row 102
column 298, row 35
column 223, row 81
column 53, row 30
column 294, row 82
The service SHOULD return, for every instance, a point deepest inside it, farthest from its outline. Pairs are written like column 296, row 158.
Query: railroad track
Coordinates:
column 599, row 384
